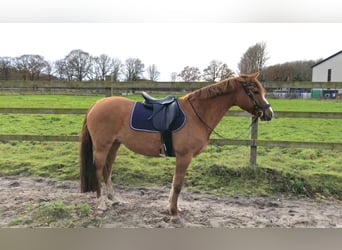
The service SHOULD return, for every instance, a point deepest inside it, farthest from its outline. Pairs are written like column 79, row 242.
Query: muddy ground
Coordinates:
column 146, row 207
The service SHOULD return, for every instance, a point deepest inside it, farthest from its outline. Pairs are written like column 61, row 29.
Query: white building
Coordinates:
column 329, row 69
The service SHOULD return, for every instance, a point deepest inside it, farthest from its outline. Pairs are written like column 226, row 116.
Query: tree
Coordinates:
column 289, row 71
column 102, row 65
column 173, row 76
column 116, row 69
column 78, row 64
column 226, row 72
column 48, row 70
column 5, row 68
column 254, row 59
column 152, row 73
column 190, row 74
column 216, row 71
column 62, row 71
column 134, row 69
column 30, row 65
column 211, row 73
column 303, row 70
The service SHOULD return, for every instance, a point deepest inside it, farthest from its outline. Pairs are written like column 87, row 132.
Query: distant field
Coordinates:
column 219, row 169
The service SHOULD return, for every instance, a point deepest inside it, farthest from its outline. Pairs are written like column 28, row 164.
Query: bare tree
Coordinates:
column 289, row 71
column 116, row 69
column 152, row 73
column 303, row 70
column 211, row 73
column 190, row 74
column 102, row 65
column 173, row 76
column 78, row 64
column 254, row 59
column 225, row 72
column 134, row 69
column 48, row 70
column 62, row 71
column 21, row 64
column 216, row 71
column 30, row 65
column 5, row 68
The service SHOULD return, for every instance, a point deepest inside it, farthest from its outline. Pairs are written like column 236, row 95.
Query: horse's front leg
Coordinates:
column 182, row 163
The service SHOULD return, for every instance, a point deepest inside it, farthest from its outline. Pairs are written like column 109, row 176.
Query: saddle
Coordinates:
column 164, row 113
column 149, row 100
column 164, row 110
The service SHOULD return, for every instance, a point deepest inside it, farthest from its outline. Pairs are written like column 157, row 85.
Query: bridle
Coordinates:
column 258, row 110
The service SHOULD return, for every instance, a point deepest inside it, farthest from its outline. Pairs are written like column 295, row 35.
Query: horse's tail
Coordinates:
column 89, row 181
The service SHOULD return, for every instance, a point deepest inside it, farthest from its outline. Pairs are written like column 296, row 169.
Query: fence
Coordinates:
column 253, row 142
column 110, row 88
column 96, row 88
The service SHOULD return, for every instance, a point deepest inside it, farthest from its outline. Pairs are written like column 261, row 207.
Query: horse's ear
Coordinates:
column 243, row 77
column 255, row 75
column 248, row 77
column 252, row 75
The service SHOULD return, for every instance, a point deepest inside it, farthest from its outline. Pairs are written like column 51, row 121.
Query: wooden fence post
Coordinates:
column 254, row 137
column 108, row 92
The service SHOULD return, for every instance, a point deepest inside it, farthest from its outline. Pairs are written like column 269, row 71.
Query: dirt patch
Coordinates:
column 22, row 198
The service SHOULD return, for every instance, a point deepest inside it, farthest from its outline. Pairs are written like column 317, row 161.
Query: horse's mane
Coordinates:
column 216, row 89
column 225, row 86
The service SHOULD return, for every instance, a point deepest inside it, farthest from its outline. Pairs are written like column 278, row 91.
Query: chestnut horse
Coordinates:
column 107, row 125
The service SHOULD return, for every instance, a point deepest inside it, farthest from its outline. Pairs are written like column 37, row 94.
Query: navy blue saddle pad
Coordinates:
column 139, row 119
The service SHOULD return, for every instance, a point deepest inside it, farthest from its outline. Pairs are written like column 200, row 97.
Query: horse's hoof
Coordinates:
column 99, row 211
column 101, row 208
column 177, row 221
column 110, row 197
column 115, row 203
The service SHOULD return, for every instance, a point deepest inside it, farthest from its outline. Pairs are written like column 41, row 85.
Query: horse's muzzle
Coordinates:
column 267, row 115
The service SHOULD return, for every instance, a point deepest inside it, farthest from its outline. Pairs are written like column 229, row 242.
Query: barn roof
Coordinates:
column 326, row 59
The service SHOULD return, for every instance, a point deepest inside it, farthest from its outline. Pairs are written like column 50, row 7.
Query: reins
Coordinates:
column 202, row 120
column 253, row 122
column 255, row 118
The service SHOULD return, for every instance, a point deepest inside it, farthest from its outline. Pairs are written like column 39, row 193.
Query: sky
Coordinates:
column 174, row 34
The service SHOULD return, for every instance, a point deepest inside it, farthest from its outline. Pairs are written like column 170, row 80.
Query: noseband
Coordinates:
column 258, row 109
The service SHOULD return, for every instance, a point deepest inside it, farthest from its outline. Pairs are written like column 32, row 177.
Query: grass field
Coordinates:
column 218, row 170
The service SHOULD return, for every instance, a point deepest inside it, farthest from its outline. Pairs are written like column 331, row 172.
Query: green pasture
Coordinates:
column 221, row 170
column 61, row 101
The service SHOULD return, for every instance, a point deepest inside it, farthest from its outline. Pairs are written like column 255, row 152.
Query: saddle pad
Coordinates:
column 139, row 119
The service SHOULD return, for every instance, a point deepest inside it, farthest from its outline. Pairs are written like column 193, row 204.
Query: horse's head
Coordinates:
column 251, row 97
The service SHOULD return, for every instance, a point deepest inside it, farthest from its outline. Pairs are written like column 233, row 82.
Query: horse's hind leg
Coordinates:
column 107, row 172
column 102, row 170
